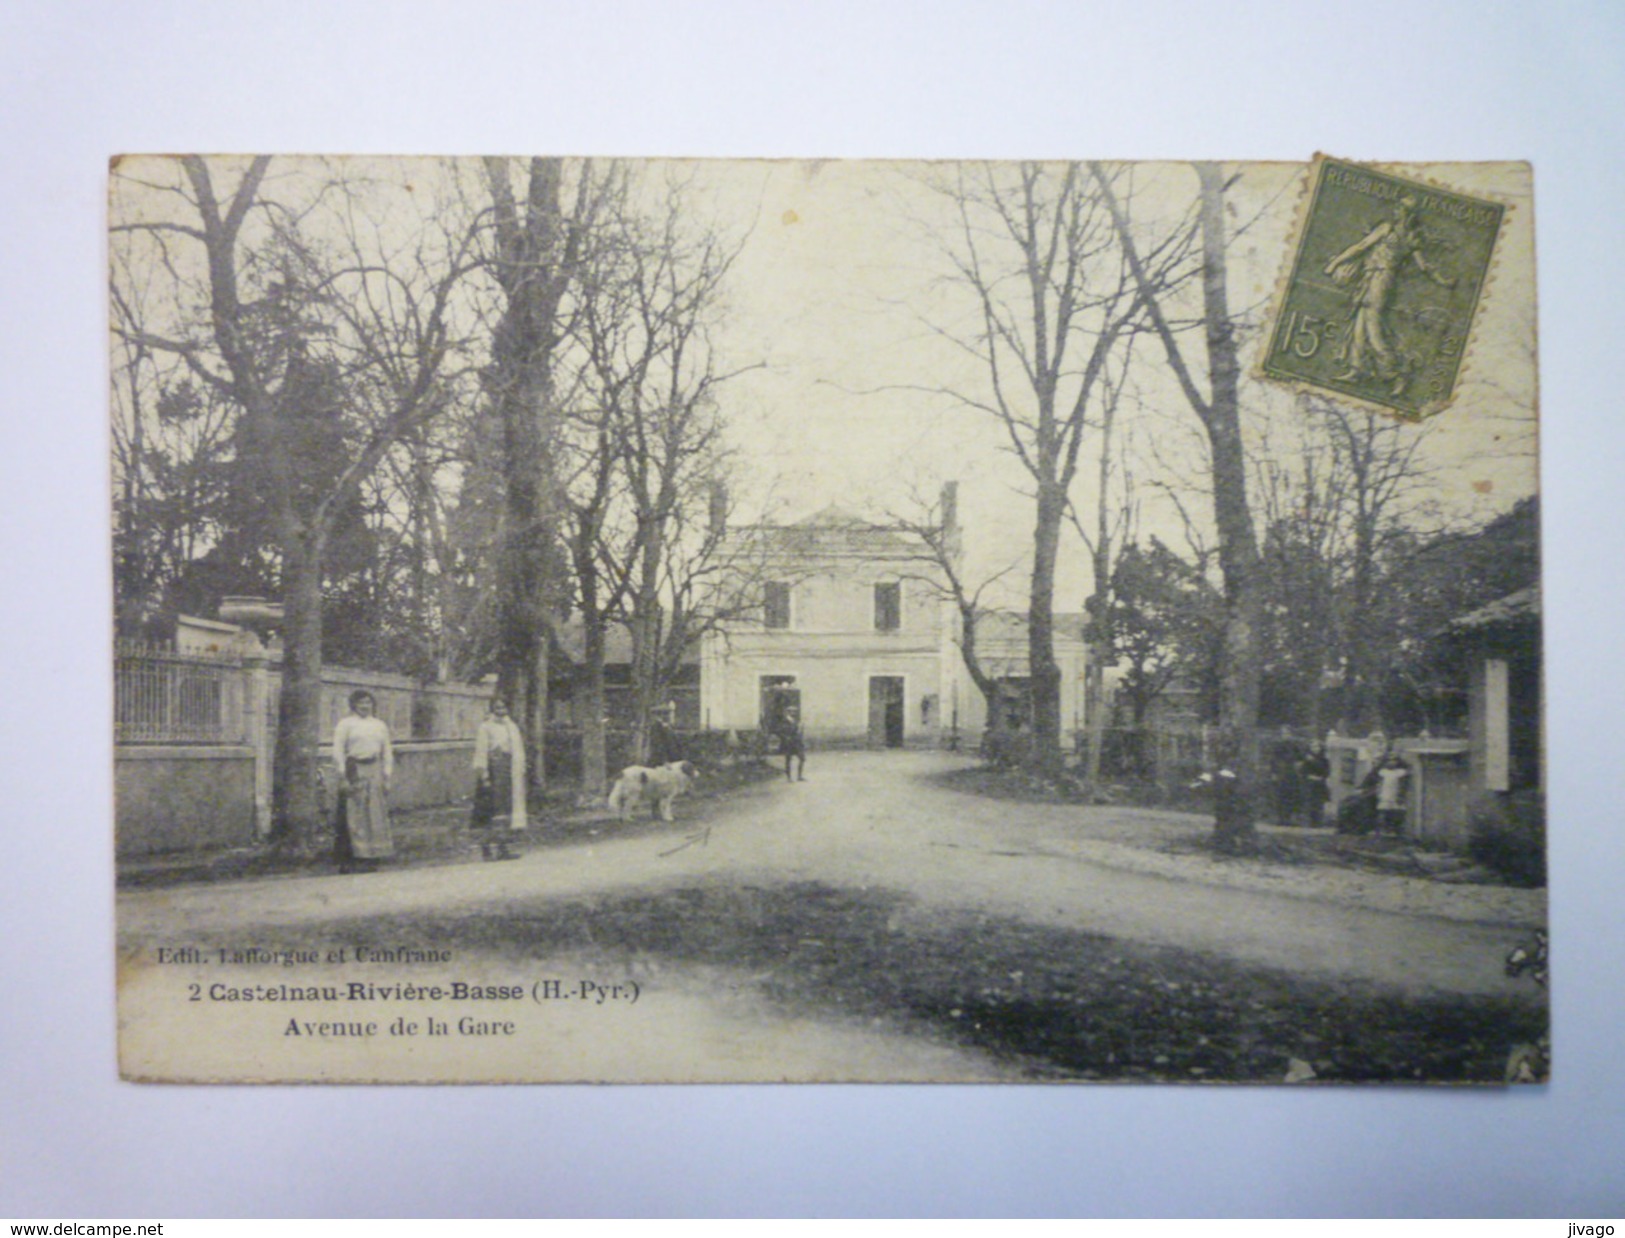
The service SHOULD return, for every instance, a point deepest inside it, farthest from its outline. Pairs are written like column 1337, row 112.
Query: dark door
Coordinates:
column 886, row 711
column 778, row 694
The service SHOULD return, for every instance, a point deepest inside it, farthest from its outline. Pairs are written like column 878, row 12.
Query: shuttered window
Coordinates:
column 776, row 604
column 888, row 606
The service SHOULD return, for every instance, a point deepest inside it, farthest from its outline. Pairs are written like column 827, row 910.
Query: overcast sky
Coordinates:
column 838, row 306
column 842, row 281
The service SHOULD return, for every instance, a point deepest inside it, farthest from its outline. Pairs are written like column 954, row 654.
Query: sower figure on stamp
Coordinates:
column 499, row 795
column 365, row 761
column 791, row 743
column 1373, row 264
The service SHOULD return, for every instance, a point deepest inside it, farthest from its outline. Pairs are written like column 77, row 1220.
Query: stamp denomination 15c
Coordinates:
column 1386, row 277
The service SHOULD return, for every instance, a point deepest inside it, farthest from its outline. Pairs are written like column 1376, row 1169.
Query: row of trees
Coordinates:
column 436, row 409
column 1313, row 560
column 1351, row 627
column 1063, row 280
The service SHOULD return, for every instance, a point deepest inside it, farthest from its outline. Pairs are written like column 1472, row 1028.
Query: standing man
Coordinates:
column 1316, row 771
column 663, row 745
column 791, row 743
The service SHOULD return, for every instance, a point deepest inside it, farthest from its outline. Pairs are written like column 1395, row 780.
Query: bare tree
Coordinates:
column 600, row 535
column 1105, row 542
column 1381, row 482
column 1219, row 411
column 1300, row 490
column 657, row 376
column 935, row 526
column 1036, row 249
column 711, row 581
column 538, row 256
column 334, row 348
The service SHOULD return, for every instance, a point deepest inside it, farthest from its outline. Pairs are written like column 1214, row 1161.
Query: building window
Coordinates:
column 888, row 606
column 776, row 604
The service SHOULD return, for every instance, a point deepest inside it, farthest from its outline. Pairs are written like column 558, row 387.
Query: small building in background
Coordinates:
column 566, row 673
column 1501, row 645
column 1001, row 646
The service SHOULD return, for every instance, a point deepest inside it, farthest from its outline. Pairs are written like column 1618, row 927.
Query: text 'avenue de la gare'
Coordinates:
column 342, row 1029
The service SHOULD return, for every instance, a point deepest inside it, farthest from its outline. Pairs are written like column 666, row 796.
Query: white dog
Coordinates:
column 659, row 785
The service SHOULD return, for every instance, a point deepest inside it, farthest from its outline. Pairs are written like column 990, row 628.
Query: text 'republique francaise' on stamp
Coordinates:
column 1387, row 276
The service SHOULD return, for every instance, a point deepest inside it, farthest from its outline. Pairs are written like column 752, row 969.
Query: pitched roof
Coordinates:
column 1007, row 625
column 570, row 639
column 1514, row 609
column 833, row 517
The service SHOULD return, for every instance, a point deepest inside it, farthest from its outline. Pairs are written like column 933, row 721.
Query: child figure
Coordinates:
column 1391, row 776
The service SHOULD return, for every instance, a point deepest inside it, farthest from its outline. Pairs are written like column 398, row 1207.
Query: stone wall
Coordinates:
column 175, row 798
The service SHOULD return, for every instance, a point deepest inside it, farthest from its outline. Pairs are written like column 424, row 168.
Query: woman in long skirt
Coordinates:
column 499, row 795
column 365, row 760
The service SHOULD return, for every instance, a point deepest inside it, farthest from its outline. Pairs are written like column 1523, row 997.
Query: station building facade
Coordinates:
column 857, row 630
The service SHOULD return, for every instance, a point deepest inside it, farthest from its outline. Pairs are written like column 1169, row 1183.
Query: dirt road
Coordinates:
column 870, row 923
column 881, row 820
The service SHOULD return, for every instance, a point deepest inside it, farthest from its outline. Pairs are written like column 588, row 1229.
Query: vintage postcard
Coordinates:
column 716, row 621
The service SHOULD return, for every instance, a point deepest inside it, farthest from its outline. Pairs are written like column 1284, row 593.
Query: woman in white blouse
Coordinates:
column 365, row 760
column 499, row 795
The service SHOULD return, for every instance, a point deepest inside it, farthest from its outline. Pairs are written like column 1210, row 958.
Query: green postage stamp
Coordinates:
column 1386, row 278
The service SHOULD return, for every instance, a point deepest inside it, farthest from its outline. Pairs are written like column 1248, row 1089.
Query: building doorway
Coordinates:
column 886, row 712
column 779, row 693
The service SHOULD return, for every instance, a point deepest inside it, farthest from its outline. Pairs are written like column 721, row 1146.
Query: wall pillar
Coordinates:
column 257, row 734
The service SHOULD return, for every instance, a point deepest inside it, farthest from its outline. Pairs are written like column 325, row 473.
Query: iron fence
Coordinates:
column 161, row 696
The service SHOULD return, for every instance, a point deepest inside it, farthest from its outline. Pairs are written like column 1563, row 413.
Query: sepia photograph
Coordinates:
column 615, row 620
column 761, row 610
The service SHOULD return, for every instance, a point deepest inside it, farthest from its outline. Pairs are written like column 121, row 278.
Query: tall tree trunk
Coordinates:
column 1100, row 633
column 1358, row 671
column 646, row 634
column 594, row 749
column 522, row 585
column 533, row 274
column 536, row 709
column 1238, row 544
column 1044, row 676
column 295, row 812
column 973, row 661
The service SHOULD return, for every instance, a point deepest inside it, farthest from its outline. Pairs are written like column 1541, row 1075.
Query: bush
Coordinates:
column 1507, row 834
column 1007, row 749
column 712, row 750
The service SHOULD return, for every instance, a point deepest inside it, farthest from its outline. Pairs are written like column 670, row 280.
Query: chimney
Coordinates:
column 950, row 509
column 719, row 509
